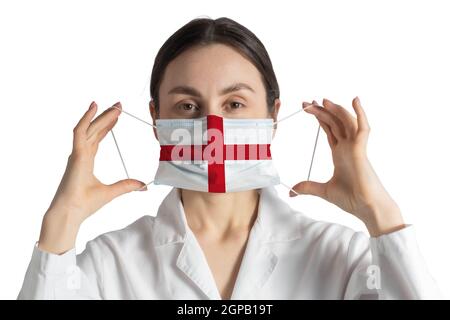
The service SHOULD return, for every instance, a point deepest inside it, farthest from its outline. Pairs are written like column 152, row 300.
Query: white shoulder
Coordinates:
column 332, row 234
column 131, row 236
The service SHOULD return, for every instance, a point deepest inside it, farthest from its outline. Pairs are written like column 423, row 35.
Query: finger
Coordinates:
column 363, row 123
column 121, row 187
column 332, row 141
column 309, row 187
column 331, row 138
column 327, row 117
column 349, row 122
column 101, row 134
column 85, row 120
column 79, row 131
column 104, row 120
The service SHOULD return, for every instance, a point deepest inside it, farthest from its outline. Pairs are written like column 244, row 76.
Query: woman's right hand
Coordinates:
column 80, row 193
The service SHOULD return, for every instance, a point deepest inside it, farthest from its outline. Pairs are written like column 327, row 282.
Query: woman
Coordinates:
column 233, row 245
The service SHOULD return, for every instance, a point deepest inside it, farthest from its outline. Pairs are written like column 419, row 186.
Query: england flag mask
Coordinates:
column 213, row 154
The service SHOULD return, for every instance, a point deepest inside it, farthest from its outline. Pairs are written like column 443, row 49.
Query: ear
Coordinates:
column 154, row 115
column 274, row 114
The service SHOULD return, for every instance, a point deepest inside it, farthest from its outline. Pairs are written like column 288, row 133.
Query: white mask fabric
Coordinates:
column 213, row 154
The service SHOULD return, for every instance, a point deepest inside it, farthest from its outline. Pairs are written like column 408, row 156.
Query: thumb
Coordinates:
column 309, row 187
column 124, row 186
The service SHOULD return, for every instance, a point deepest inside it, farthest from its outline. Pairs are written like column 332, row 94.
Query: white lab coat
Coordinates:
column 288, row 256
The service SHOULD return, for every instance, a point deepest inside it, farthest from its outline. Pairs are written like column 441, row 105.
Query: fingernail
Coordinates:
column 306, row 105
column 93, row 104
column 117, row 105
column 357, row 100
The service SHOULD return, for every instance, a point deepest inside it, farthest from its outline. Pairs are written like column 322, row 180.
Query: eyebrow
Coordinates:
column 194, row 92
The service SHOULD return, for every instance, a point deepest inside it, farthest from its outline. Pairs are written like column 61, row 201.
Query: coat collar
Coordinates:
column 276, row 222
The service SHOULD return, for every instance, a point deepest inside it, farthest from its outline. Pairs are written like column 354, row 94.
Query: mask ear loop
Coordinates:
column 118, row 149
column 120, row 154
column 314, row 150
column 137, row 117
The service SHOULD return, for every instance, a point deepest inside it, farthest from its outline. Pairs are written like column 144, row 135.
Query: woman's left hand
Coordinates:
column 354, row 187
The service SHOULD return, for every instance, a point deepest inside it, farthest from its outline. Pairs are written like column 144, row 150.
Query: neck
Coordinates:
column 220, row 213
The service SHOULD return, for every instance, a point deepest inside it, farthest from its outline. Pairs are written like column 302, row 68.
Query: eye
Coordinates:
column 236, row 105
column 188, row 107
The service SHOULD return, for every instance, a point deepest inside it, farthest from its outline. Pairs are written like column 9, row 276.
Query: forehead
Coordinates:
column 212, row 67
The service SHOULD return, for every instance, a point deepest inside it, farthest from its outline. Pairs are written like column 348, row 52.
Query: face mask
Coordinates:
column 213, row 154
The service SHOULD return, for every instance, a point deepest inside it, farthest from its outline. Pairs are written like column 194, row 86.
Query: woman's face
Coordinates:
column 212, row 80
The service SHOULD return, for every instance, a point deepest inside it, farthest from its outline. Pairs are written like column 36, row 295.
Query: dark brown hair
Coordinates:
column 205, row 31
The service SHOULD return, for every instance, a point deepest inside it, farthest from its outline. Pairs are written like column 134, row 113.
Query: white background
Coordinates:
column 56, row 57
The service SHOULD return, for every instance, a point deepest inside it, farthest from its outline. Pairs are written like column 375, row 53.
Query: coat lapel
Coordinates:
column 276, row 222
column 171, row 227
column 193, row 263
column 258, row 263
